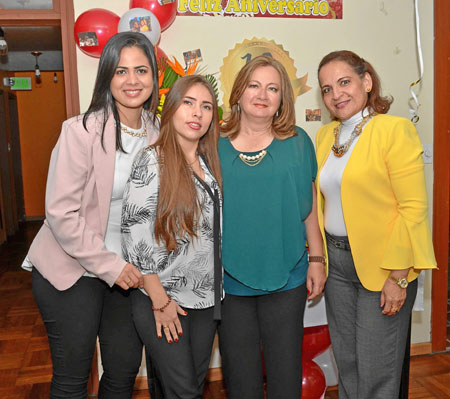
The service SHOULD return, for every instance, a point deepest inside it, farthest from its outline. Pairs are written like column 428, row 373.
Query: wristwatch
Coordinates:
column 401, row 282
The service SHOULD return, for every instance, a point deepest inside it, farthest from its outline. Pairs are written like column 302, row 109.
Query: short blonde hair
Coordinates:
column 283, row 124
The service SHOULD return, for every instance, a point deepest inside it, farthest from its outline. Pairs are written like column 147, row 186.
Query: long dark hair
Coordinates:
column 102, row 98
column 375, row 100
column 178, row 205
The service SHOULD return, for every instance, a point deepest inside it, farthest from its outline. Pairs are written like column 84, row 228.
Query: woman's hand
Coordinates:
column 167, row 320
column 392, row 295
column 315, row 279
column 165, row 309
column 130, row 277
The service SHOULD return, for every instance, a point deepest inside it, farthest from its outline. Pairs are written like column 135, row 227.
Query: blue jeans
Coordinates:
column 369, row 347
column 73, row 319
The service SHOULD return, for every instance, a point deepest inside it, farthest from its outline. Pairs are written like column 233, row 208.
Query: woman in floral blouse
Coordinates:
column 171, row 233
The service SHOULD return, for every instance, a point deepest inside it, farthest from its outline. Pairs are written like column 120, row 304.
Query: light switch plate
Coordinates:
column 427, row 153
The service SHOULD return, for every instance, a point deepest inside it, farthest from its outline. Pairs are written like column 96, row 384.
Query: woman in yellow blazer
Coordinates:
column 373, row 212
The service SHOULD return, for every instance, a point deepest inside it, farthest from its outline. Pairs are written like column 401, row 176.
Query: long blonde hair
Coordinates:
column 283, row 124
column 178, row 205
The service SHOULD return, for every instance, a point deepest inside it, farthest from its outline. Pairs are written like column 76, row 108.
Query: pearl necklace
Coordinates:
column 126, row 130
column 340, row 150
column 253, row 160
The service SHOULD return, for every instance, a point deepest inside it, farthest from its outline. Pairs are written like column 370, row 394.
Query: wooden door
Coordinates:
column 2, row 216
column 15, row 156
column 8, row 191
column 441, row 189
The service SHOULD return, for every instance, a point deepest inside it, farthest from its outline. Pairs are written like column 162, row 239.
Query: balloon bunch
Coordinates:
column 94, row 27
column 316, row 340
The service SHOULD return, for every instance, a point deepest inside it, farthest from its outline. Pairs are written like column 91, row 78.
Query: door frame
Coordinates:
column 441, row 187
column 61, row 15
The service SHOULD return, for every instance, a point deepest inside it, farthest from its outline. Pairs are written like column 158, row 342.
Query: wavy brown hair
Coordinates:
column 178, row 207
column 283, row 124
column 375, row 100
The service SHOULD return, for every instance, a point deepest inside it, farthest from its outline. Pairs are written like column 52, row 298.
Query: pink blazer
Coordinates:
column 77, row 202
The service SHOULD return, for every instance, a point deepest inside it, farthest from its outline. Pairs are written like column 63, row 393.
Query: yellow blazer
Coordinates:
column 384, row 199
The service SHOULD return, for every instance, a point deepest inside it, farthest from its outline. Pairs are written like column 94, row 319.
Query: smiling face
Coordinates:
column 194, row 115
column 344, row 92
column 262, row 96
column 132, row 83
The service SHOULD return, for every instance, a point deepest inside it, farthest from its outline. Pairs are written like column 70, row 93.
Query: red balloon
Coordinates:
column 313, row 381
column 93, row 29
column 315, row 341
column 165, row 13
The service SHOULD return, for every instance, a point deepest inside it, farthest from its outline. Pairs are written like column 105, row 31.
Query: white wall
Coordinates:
column 383, row 32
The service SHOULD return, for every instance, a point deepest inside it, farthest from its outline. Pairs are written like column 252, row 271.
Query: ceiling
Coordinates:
column 33, row 38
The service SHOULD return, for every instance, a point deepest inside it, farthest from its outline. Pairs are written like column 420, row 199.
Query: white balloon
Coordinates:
column 143, row 21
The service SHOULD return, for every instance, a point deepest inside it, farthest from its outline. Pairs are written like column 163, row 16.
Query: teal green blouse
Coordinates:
column 265, row 206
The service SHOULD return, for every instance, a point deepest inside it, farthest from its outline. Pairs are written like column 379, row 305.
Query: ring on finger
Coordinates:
column 166, row 327
column 394, row 309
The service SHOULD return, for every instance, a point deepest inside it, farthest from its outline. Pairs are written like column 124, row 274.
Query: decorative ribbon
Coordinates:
column 415, row 109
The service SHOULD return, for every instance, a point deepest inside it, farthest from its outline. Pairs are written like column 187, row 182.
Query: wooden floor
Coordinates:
column 25, row 363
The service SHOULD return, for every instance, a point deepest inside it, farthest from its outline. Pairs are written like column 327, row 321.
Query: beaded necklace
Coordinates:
column 340, row 150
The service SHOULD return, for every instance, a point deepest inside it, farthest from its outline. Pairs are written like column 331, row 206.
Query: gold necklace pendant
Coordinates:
column 125, row 130
column 340, row 150
column 253, row 160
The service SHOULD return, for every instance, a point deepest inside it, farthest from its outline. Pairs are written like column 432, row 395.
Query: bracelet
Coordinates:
column 161, row 309
column 318, row 259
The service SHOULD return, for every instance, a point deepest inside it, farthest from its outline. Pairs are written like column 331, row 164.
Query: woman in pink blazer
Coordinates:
column 80, row 279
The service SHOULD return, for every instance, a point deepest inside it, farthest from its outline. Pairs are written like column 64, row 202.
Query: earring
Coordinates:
column 238, row 107
column 277, row 114
column 368, row 90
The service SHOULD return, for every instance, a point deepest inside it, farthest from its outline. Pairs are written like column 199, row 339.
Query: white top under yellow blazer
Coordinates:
column 383, row 198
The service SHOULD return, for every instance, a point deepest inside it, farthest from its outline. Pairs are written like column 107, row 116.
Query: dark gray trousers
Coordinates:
column 272, row 323
column 73, row 319
column 180, row 367
column 369, row 347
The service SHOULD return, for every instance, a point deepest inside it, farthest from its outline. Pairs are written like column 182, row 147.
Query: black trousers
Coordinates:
column 73, row 319
column 272, row 323
column 180, row 367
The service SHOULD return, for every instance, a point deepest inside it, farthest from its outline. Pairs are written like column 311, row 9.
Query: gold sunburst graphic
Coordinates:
column 248, row 49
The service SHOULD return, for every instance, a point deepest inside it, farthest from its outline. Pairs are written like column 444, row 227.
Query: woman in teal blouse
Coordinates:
column 268, row 169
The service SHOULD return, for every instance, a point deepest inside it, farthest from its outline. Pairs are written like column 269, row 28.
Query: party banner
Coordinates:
column 321, row 9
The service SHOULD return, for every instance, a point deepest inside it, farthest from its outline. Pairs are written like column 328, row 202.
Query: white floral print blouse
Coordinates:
column 187, row 275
